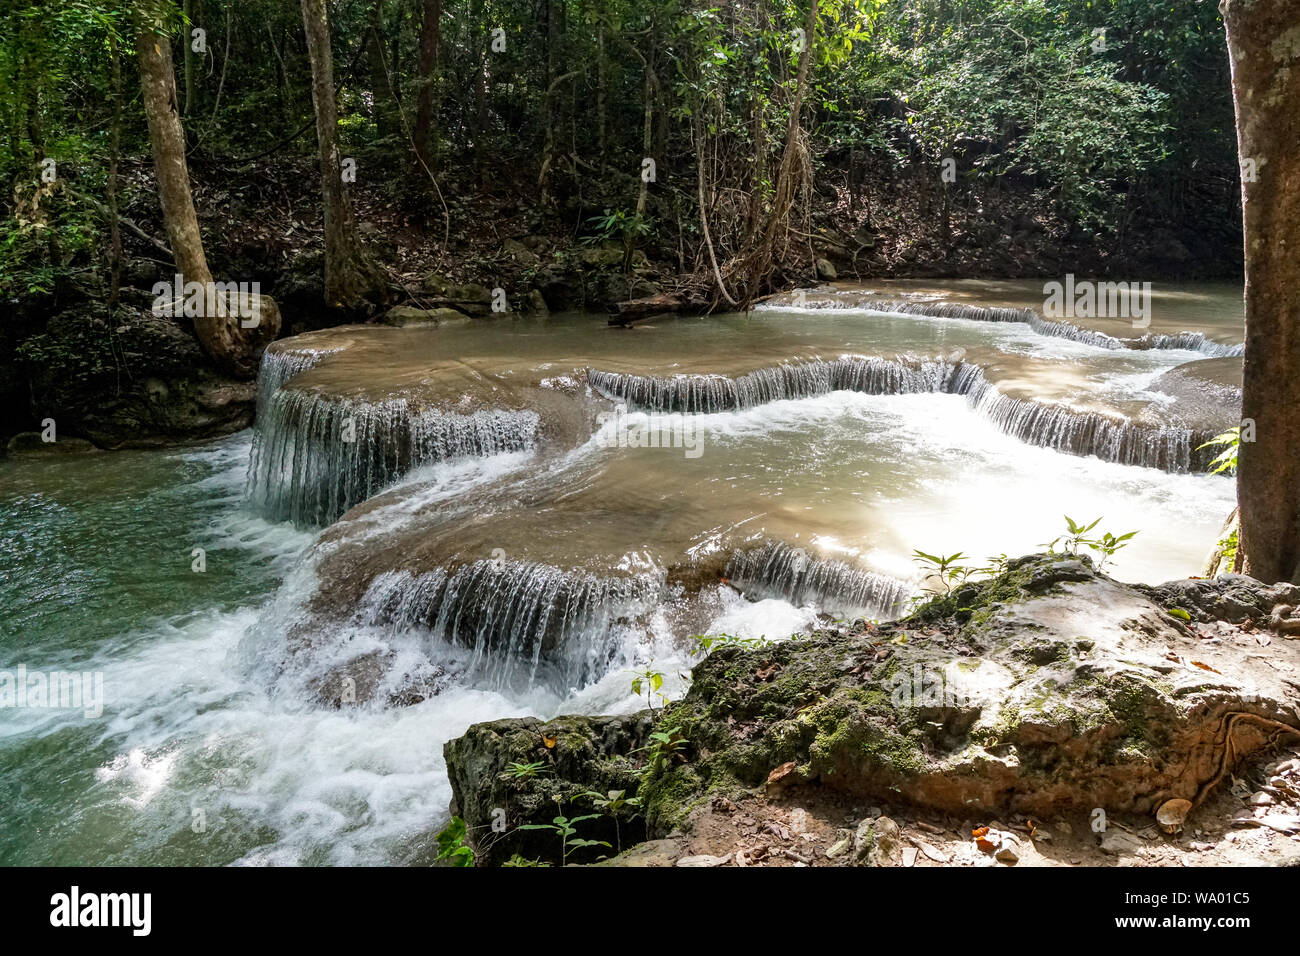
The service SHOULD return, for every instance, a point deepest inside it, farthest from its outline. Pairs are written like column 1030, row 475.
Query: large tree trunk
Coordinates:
column 234, row 348
column 1264, row 49
column 351, row 279
column 430, row 40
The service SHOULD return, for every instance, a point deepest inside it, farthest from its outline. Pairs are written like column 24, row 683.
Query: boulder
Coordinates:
column 130, row 379
column 825, row 271
column 576, row 755
column 32, row 445
column 467, row 297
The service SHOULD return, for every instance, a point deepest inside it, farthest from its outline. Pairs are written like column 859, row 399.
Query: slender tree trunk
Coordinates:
column 350, row 277
column 549, row 113
column 188, row 53
column 602, row 108
column 646, row 130
column 480, row 84
column 234, row 348
column 114, row 156
column 1264, row 50
column 430, row 41
column 381, row 96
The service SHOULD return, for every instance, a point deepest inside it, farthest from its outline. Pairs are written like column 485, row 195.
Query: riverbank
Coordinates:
column 1044, row 716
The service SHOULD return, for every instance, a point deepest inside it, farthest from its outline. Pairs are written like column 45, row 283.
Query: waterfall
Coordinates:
column 279, row 366
column 1109, row 437
column 717, row 393
column 1192, row 342
column 523, row 621
column 314, row 458
column 1189, row 341
column 978, row 313
column 779, row 570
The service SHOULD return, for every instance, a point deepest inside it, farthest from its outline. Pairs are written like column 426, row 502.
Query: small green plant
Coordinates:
column 665, row 746
column 627, row 228
column 1076, row 536
column 1228, row 549
column 452, row 845
column 1226, row 460
column 564, row 827
column 521, row 771
column 518, row 860
column 948, row 569
column 705, row 643
column 612, row 802
column 649, row 682
column 1107, row 545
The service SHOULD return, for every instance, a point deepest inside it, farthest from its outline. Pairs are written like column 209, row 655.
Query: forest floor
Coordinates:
column 798, row 826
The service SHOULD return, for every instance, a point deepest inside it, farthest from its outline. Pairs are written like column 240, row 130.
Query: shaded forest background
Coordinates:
column 506, row 142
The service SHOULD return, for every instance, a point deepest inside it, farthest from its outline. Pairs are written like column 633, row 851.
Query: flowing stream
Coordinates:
column 436, row 527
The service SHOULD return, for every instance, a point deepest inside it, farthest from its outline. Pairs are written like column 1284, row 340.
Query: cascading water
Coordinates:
column 523, row 621
column 1188, row 341
column 315, row 457
column 1191, row 342
column 1059, row 427
column 779, row 570
column 710, row 394
column 278, row 367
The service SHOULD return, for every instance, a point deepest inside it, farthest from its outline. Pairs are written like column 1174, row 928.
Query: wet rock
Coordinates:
column 32, row 445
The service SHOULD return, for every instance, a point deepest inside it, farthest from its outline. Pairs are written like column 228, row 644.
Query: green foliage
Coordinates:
column 649, row 682
column 947, row 569
column 705, row 643
column 1226, row 460
column 452, row 845
column 612, row 802
column 665, row 748
column 522, row 771
column 1076, row 536
column 565, row 828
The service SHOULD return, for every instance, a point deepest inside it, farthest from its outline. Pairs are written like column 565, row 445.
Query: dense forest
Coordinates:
column 731, row 145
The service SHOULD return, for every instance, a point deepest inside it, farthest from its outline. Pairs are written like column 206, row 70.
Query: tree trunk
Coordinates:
column 168, row 141
column 188, row 53
column 233, row 348
column 602, row 108
column 1266, row 93
column 350, row 277
column 759, row 264
column 430, row 40
column 111, row 189
column 381, row 94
